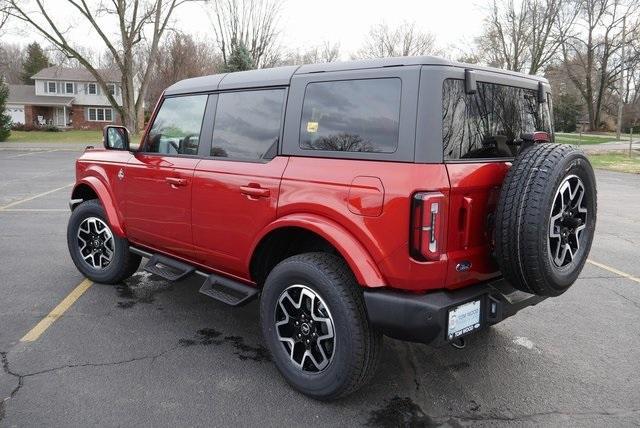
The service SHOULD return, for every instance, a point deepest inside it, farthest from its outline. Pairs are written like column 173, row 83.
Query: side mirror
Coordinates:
column 115, row 137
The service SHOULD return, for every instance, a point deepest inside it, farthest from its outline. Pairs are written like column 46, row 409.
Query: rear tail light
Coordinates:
column 426, row 241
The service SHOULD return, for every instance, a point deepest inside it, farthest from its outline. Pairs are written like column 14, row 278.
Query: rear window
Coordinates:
column 351, row 116
column 490, row 123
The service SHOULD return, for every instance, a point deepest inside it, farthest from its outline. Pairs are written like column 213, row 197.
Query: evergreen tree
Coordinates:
column 239, row 60
column 5, row 119
column 35, row 61
column 566, row 110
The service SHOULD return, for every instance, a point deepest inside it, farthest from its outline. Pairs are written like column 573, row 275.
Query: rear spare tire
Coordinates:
column 545, row 219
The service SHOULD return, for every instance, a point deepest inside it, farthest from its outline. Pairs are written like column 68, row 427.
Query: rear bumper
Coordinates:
column 423, row 318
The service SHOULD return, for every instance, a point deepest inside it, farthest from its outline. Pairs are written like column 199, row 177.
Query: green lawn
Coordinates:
column 75, row 136
column 620, row 162
column 56, row 137
column 575, row 139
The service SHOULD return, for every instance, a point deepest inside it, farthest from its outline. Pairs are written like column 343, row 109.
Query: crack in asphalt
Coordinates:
column 21, row 377
column 630, row 300
column 404, row 412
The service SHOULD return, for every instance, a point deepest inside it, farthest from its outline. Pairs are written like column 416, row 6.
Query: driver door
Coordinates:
column 159, row 176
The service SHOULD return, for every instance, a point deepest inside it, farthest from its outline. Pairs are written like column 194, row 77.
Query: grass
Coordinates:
column 620, row 162
column 75, row 136
column 575, row 139
column 55, row 137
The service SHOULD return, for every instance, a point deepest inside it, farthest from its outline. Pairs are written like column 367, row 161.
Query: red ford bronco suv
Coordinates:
column 412, row 197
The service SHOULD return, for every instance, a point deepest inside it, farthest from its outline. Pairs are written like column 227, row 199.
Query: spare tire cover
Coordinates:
column 546, row 218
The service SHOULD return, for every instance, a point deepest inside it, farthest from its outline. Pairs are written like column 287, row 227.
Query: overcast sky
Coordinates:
column 307, row 23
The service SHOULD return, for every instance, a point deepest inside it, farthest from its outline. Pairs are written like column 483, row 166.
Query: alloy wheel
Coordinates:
column 305, row 328
column 568, row 221
column 95, row 242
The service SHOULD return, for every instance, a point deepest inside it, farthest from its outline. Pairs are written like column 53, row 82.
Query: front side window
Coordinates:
column 68, row 87
column 490, row 123
column 351, row 116
column 176, row 128
column 92, row 89
column 52, row 87
column 111, row 88
column 92, row 114
column 247, row 124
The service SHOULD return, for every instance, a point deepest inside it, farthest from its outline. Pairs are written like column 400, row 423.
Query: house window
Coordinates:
column 51, row 87
column 68, row 87
column 111, row 88
column 96, row 114
column 92, row 89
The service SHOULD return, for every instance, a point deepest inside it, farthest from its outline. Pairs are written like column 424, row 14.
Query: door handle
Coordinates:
column 256, row 192
column 175, row 181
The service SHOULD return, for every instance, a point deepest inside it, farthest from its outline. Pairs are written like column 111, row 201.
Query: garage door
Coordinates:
column 16, row 113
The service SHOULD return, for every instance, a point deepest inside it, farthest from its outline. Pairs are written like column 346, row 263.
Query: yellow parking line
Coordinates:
column 57, row 312
column 30, row 198
column 614, row 270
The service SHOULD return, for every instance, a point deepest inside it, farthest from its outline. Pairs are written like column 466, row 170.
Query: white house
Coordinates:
column 66, row 98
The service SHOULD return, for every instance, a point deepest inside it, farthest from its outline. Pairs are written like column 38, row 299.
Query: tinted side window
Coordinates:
column 351, row 116
column 176, row 128
column 491, row 122
column 247, row 124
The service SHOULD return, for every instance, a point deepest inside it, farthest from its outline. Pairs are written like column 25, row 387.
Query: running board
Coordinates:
column 167, row 268
column 226, row 290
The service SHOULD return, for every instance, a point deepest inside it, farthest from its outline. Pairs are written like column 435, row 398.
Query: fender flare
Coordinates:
column 100, row 189
column 355, row 254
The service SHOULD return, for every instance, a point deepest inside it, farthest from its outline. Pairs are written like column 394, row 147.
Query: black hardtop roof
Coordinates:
column 281, row 76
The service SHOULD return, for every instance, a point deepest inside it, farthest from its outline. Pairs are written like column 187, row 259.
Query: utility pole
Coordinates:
column 622, row 64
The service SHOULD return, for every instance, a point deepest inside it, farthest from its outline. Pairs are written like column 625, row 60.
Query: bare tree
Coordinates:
column 591, row 51
column 403, row 40
column 326, row 52
column 252, row 23
column 141, row 25
column 525, row 36
column 11, row 58
column 181, row 57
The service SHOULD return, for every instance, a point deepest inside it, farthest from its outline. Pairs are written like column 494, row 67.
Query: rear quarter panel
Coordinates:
column 323, row 187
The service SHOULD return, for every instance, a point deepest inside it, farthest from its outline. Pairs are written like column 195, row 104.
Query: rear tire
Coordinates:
column 88, row 232
column 351, row 353
column 545, row 219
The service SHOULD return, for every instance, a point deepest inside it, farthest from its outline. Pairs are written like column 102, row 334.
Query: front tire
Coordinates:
column 315, row 325
column 97, row 252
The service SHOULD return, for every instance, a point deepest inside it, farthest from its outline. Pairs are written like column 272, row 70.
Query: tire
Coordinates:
column 122, row 264
column 353, row 358
column 531, row 234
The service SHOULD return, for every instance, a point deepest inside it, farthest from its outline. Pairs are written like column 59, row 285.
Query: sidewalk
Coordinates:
column 612, row 146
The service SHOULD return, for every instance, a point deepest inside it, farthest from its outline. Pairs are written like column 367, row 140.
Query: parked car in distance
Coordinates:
column 412, row 197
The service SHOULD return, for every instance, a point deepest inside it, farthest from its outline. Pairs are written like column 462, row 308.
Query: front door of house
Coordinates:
column 58, row 117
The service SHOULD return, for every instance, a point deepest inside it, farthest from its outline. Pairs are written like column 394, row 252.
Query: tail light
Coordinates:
column 426, row 241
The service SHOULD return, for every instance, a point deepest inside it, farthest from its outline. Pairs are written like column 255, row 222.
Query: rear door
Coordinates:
column 236, row 187
column 481, row 134
column 159, row 177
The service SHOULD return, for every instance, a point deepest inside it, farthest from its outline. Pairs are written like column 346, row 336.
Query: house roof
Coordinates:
column 282, row 75
column 26, row 94
column 76, row 73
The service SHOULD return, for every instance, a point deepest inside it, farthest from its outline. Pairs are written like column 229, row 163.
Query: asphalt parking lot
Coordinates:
column 152, row 353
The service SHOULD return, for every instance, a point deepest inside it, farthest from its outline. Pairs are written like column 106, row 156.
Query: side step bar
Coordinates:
column 223, row 289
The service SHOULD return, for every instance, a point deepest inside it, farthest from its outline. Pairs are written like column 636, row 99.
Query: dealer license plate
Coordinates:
column 463, row 319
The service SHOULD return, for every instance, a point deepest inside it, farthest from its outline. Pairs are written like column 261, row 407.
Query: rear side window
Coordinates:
column 351, row 116
column 176, row 128
column 490, row 123
column 247, row 124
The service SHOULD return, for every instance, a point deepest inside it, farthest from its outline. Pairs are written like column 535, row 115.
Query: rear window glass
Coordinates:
column 490, row 123
column 351, row 116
